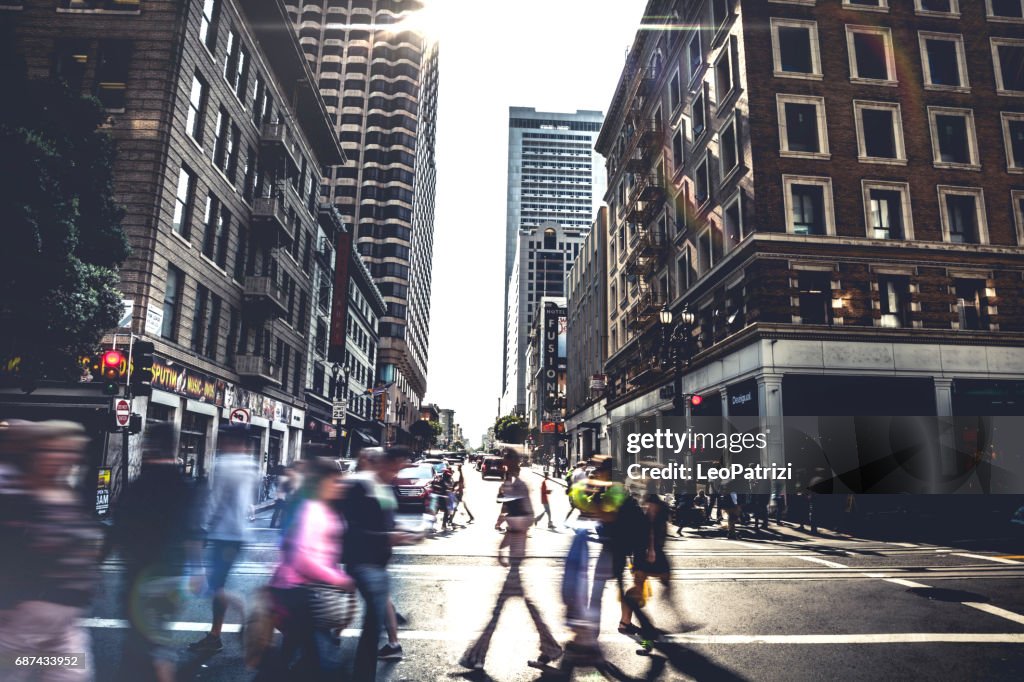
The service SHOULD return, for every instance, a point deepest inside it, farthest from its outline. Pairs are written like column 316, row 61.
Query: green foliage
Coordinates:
column 458, row 446
column 63, row 242
column 510, row 429
column 435, row 426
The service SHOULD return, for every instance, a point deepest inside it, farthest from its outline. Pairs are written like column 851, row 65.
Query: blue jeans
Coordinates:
column 372, row 582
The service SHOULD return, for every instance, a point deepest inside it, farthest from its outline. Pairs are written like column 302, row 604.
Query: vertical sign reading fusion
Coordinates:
column 339, row 299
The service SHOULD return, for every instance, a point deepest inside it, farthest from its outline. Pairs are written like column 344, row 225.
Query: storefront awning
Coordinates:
column 366, row 437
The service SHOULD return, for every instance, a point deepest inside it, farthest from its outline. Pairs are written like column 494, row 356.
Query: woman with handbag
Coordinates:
column 313, row 594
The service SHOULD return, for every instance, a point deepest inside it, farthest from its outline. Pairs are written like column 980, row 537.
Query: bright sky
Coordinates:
column 553, row 55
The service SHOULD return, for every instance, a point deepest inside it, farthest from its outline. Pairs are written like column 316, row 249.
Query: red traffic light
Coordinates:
column 696, row 400
column 113, row 358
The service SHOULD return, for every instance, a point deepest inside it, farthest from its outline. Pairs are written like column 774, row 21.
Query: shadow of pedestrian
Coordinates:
column 690, row 663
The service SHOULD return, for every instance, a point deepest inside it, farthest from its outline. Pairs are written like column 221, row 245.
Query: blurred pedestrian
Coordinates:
column 156, row 530
column 545, row 503
column 649, row 560
column 572, row 478
column 282, row 489
column 49, row 569
column 226, row 528
column 729, row 503
column 460, row 492
column 518, row 512
column 309, row 555
column 370, row 507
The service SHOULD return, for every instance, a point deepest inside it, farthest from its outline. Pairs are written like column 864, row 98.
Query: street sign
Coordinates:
column 126, row 313
column 122, row 412
column 240, row 415
column 154, row 320
column 339, row 407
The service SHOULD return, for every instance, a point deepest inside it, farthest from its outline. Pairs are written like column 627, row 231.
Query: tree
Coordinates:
column 458, row 446
column 63, row 242
column 510, row 429
column 425, row 432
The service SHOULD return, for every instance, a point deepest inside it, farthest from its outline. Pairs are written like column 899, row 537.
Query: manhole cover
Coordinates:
column 942, row 594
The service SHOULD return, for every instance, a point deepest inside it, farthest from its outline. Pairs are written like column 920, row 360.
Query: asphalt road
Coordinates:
column 781, row 606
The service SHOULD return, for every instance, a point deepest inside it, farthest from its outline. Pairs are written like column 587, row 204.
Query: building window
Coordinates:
column 802, row 129
column 795, row 51
column 808, row 205
column 728, row 147
column 815, row 296
column 943, row 61
column 685, row 274
column 232, row 58
column 696, row 54
column 675, row 92
column 217, row 231
column 221, row 141
column 208, row 24
column 184, row 199
column 172, row 302
column 705, row 252
column 240, row 253
column 234, row 145
column 950, row 8
column 970, row 303
column 678, row 151
column 875, row 5
column 879, row 132
column 724, row 72
column 894, row 301
column 702, row 179
column 733, row 222
column 699, row 113
column 196, row 109
column 954, row 144
column 1005, row 10
column 1013, row 140
column 887, row 210
column 1008, row 58
column 1017, row 197
column 112, row 73
column 870, row 54
column 962, row 210
column 719, row 12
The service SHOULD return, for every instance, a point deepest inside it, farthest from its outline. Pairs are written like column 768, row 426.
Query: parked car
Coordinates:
column 412, row 485
column 492, row 466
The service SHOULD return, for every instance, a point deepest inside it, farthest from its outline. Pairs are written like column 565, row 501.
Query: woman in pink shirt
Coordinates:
column 310, row 549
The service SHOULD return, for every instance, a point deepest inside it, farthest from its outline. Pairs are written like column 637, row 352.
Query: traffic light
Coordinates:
column 111, row 363
column 142, row 368
column 135, row 423
column 696, row 400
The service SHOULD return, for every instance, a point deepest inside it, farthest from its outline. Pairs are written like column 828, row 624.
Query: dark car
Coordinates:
column 412, row 485
column 492, row 466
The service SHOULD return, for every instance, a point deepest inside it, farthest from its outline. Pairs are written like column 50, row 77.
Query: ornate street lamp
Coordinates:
column 339, row 370
column 677, row 343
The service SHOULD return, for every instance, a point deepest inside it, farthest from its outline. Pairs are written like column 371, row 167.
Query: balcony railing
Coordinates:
column 277, row 137
column 270, row 219
column 264, row 296
column 257, row 369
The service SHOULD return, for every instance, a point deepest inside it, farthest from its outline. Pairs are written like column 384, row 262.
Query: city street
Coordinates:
column 786, row 605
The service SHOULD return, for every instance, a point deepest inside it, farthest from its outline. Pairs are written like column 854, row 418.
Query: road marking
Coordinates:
column 449, row 635
column 823, row 562
column 995, row 611
column 905, row 583
column 989, row 558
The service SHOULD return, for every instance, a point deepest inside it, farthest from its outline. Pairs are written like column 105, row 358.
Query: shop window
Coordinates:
column 815, row 296
column 970, row 303
column 894, row 300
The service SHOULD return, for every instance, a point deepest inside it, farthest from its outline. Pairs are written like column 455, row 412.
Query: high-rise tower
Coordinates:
column 378, row 79
column 554, row 176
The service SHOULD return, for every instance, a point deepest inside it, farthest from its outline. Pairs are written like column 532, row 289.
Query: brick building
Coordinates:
column 220, row 135
column 835, row 190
